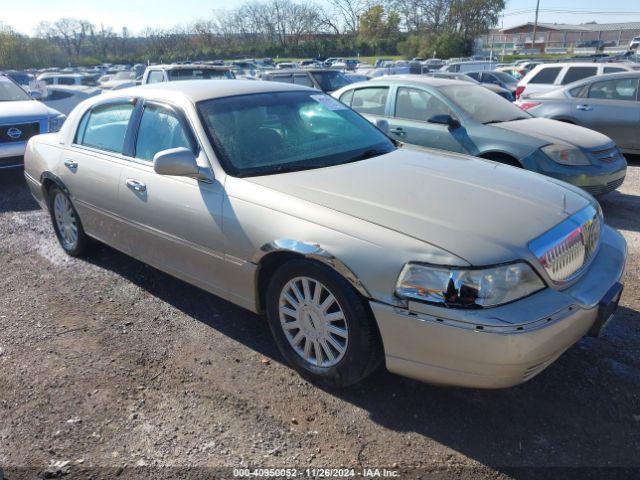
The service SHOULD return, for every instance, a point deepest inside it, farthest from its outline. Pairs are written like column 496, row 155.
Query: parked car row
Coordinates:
column 359, row 250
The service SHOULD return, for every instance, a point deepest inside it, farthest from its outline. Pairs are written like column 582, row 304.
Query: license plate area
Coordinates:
column 606, row 309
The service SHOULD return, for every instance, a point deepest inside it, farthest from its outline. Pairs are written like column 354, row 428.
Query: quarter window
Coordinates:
column 160, row 129
column 578, row 73
column 370, row 101
column 105, row 127
column 613, row 70
column 546, row 75
column 618, row 89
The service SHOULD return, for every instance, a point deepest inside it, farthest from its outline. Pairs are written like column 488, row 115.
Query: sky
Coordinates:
column 24, row 15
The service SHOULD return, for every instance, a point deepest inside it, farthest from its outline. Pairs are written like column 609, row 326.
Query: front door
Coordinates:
column 412, row 110
column 174, row 223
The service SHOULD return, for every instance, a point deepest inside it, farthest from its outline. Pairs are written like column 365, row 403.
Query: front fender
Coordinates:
column 314, row 252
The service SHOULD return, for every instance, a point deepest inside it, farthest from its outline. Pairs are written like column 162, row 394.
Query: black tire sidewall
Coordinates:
column 81, row 244
column 362, row 343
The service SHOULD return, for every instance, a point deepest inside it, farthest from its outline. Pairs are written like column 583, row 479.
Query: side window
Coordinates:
column 48, row 80
column 370, row 101
column 578, row 73
column 282, row 78
column 160, row 129
column 302, row 80
column 346, row 97
column 613, row 70
column 546, row 75
column 155, row 76
column 474, row 75
column 66, row 81
column 618, row 89
column 489, row 78
column 413, row 104
column 105, row 127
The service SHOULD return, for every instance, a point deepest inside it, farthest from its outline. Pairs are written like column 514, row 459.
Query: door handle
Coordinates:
column 135, row 185
column 586, row 108
column 70, row 164
column 398, row 131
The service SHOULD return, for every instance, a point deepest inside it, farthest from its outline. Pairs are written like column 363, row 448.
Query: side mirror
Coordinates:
column 179, row 162
column 383, row 125
column 35, row 95
column 445, row 120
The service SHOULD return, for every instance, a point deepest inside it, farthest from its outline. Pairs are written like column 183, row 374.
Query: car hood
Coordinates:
column 552, row 131
column 481, row 211
column 23, row 111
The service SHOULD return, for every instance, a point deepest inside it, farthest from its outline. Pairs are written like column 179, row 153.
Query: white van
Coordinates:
column 472, row 66
column 548, row 76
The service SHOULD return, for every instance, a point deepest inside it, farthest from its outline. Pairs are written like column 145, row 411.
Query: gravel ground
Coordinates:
column 109, row 367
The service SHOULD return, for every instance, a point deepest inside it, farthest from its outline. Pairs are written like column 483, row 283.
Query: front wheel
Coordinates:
column 66, row 223
column 321, row 325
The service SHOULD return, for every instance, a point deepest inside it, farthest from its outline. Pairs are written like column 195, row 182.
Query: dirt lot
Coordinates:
column 117, row 368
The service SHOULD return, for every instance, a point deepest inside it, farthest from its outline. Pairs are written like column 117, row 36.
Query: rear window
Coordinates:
column 199, row 74
column 613, row 69
column 546, row 75
column 578, row 73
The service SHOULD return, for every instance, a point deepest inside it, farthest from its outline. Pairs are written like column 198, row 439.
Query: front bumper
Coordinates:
column 502, row 346
column 12, row 154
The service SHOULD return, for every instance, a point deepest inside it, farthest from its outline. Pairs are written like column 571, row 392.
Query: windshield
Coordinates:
column 21, row 78
column 330, row 81
column 199, row 74
column 10, row 92
column 267, row 133
column 504, row 77
column 482, row 105
column 124, row 76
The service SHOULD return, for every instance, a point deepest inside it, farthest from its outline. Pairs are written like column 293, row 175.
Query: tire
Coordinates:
column 66, row 223
column 355, row 356
column 503, row 158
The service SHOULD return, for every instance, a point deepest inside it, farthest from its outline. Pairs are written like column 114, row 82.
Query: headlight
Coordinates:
column 55, row 123
column 467, row 288
column 565, row 155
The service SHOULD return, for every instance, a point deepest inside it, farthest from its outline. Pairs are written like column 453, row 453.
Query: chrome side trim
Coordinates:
column 314, row 252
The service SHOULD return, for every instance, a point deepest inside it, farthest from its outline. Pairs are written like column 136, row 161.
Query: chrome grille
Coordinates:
column 565, row 250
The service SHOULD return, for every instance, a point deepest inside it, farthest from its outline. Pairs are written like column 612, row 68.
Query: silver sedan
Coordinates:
column 280, row 199
column 609, row 104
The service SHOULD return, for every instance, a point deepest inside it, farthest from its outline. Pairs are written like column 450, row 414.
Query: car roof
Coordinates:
column 419, row 80
column 300, row 70
column 174, row 66
column 199, row 90
column 582, row 64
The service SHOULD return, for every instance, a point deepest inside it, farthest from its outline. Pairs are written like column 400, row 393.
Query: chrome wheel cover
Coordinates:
column 313, row 322
column 65, row 221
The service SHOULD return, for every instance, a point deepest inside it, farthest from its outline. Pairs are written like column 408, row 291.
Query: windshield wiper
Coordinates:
column 368, row 154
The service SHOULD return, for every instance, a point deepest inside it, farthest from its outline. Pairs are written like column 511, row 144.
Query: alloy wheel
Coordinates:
column 313, row 322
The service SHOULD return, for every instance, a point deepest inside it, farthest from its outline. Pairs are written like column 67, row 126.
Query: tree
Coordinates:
column 379, row 30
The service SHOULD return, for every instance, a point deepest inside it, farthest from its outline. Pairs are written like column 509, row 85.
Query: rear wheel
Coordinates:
column 66, row 223
column 321, row 325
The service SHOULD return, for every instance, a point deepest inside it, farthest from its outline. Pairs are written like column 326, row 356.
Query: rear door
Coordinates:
column 412, row 109
column 92, row 165
column 611, row 107
column 173, row 223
